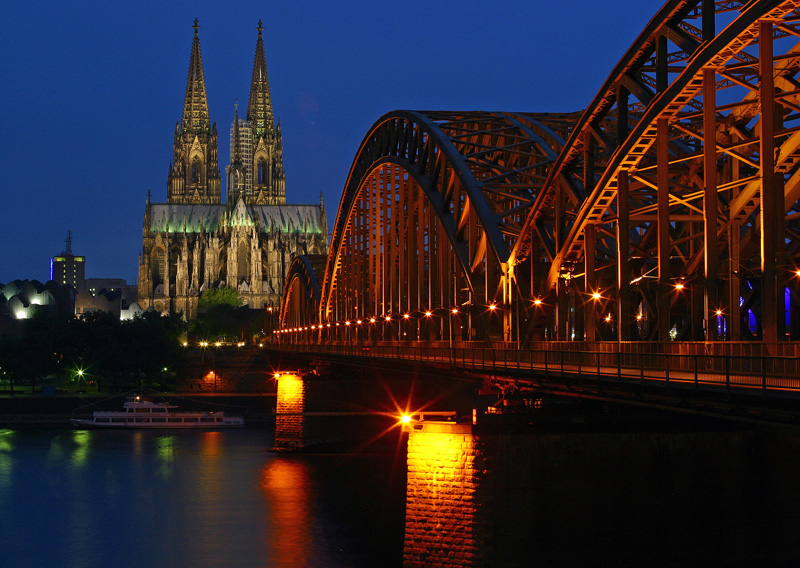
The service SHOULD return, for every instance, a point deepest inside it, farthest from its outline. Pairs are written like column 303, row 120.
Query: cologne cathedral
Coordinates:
column 195, row 241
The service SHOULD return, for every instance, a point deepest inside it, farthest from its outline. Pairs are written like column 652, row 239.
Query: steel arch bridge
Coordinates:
column 668, row 209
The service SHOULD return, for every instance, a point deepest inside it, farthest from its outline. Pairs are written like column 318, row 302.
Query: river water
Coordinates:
column 93, row 498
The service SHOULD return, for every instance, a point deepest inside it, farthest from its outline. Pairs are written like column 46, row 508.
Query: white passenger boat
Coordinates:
column 141, row 412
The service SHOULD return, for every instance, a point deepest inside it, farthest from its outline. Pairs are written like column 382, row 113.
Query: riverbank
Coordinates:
column 20, row 410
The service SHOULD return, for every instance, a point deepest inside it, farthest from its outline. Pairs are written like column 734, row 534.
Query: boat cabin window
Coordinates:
column 174, row 419
column 118, row 420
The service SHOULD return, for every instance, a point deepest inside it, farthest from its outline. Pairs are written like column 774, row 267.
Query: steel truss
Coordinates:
column 300, row 300
column 669, row 209
column 432, row 207
column 677, row 192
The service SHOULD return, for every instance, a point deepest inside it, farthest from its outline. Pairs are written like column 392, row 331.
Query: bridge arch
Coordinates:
column 300, row 300
column 683, row 184
column 431, row 209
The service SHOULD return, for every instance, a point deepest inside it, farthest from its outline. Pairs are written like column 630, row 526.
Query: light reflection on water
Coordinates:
column 182, row 498
column 286, row 484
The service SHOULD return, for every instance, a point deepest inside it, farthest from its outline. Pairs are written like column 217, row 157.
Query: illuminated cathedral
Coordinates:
column 195, row 241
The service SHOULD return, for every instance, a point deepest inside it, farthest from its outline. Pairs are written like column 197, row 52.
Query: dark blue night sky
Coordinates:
column 91, row 92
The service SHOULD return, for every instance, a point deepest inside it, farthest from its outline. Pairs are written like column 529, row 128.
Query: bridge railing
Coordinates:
column 754, row 373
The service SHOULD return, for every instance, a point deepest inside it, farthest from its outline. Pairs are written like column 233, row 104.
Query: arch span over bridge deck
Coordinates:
column 667, row 210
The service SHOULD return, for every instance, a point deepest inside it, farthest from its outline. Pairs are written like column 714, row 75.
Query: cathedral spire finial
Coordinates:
column 237, row 157
column 195, row 106
column 259, row 107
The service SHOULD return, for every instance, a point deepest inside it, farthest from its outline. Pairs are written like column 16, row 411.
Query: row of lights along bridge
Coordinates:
column 538, row 302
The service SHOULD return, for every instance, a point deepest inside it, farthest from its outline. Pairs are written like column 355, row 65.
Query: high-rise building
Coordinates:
column 66, row 268
column 194, row 241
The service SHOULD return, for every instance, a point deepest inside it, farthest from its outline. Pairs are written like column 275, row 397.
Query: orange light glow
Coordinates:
column 638, row 316
column 406, row 316
column 347, row 323
column 405, row 419
column 537, row 302
column 608, row 317
column 429, row 314
column 358, row 322
column 596, row 295
column 371, row 320
column 287, row 484
column 679, row 286
column 454, row 310
column 719, row 312
column 492, row 307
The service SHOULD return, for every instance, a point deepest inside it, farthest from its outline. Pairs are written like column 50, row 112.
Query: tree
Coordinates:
column 221, row 313
column 215, row 297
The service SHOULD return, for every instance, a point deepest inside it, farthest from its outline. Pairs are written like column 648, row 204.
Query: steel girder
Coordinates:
column 682, row 174
column 300, row 300
column 439, row 197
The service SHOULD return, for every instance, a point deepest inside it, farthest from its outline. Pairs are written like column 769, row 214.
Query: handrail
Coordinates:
column 761, row 374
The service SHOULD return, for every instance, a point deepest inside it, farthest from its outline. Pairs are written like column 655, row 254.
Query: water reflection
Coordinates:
column 82, row 443
column 286, row 484
column 6, row 459
column 165, row 451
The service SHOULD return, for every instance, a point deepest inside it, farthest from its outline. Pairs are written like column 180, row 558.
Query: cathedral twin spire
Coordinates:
column 259, row 107
column 194, row 175
column 195, row 106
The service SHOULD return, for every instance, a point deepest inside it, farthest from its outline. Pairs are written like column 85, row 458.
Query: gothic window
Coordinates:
column 262, row 171
column 158, row 267
column 173, row 271
column 242, row 258
column 196, row 170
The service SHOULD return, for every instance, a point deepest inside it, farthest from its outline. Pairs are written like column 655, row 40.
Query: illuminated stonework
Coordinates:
column 290, row 405
column 194, row 241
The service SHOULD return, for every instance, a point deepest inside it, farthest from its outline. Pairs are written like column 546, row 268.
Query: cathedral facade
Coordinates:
column 195, row 241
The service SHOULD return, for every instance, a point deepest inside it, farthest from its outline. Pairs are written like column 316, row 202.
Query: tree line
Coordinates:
column 97, row 348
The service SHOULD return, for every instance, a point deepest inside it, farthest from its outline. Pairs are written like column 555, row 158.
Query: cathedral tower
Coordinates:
column 246, row 243
column 260, row 141
column 194, row 172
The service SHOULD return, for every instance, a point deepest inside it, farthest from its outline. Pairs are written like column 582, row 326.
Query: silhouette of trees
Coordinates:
column 98, row 347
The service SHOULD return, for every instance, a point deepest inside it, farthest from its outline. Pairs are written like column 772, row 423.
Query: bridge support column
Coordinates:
column 289, row 422
column 442, row 512
column 772, row 200
column 590, row 283
column 664, row 288
column 710, row 203
column 624, row 314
